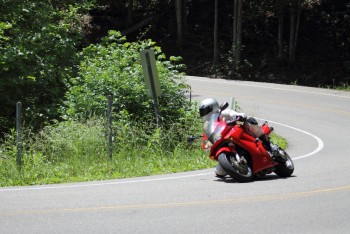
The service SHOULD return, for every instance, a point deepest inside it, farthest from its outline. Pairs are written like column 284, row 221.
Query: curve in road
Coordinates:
column 314, row 200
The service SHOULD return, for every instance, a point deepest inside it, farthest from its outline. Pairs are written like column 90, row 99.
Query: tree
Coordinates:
column 36, row 58
column 237, row 31
column 295, row 10
column 130, row 12
column 216, row 6
column 280, row 10
column 181, row 20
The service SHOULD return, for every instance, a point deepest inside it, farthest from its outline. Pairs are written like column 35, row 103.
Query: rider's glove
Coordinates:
column 242, row 116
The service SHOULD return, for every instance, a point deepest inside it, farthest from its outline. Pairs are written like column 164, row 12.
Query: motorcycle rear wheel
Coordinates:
column 239, row 171
column 286, row 168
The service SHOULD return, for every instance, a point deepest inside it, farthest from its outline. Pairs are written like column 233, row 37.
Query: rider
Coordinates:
column 209, row 106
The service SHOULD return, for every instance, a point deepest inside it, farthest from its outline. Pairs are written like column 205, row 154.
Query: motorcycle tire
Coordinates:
column 285, row 169
column 240, row 172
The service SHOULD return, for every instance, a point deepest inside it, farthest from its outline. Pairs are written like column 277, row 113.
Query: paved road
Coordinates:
column 315, row 200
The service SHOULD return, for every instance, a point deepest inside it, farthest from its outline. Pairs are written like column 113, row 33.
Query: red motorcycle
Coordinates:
column 237, row 146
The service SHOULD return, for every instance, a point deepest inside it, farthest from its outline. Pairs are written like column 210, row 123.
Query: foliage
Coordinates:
column 73, row 151
column 113, row 67
column 322, row 50
column 38, row 45
column 39, row 41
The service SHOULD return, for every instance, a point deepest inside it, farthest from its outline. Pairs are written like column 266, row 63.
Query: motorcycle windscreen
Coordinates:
column 253, row 129
column 212, row 129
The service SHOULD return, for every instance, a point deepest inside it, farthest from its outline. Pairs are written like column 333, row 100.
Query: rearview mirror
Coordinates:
column 223, row 106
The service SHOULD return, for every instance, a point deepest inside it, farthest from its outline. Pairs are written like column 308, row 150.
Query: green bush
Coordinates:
column 114, row 68
column 38, row 47
column 76, row 149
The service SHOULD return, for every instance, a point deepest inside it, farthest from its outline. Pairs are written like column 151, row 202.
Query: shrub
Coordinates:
column 114, row 68
column 38, row 45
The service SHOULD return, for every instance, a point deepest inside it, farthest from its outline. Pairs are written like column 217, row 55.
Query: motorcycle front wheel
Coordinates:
column 285, row 169
column 237, row 168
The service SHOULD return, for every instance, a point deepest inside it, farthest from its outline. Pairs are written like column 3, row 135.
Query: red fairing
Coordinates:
column 261, row 158
column 266, row 129
column 205, row 144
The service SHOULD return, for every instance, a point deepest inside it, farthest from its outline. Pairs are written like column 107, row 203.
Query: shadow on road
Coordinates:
column 228, row 179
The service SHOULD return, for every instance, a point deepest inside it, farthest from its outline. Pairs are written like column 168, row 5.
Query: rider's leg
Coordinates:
column 266, row 143
column 219, row 171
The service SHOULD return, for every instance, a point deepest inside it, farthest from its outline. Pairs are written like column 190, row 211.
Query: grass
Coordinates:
column 344, row 88
column 280, row 141
column 74, row 152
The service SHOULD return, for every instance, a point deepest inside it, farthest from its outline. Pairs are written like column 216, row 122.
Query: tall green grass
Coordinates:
column 74, row 151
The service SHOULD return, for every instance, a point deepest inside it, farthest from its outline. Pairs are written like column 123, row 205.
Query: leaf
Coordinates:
column 31, row 78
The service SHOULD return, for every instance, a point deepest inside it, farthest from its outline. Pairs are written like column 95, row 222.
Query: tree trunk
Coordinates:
column 295, row 12
column 139, row 25
column 179, row 22
column 280, row 33
column 237, row 31
column 215, row 34
column 291, row 35
column 235, row 9
column 184, row 19
column 130, row 12
column 297, row 26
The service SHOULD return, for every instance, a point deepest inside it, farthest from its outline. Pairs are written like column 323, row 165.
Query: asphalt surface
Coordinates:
column 316, row 199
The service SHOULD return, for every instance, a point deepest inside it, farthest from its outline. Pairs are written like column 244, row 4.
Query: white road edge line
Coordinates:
column 103, row 184
column 319, row 140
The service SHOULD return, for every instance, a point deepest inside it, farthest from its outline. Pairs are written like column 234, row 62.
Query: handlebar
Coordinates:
column 234, row 122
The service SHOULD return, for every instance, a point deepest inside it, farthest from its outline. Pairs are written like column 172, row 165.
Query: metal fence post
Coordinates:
column 232, row 103
column 19, row 133
column 109, row 114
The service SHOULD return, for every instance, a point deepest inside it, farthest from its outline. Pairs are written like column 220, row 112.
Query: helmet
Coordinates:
column 207, row 107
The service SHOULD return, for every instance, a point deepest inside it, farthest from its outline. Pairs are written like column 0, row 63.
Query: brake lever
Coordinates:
column 234, row 122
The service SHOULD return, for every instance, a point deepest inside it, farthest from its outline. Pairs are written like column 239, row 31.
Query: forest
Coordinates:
column 42, row 44
column 304, row 42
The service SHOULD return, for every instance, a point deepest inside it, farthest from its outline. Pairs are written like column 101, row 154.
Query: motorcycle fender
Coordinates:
column 224, row 149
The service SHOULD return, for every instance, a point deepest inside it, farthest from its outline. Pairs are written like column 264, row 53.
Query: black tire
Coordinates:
column 241, row 172
column 285, row 169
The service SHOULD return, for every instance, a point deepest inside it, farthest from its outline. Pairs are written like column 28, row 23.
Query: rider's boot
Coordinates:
column 220, row 172
column 266, row 143
column 272, row 149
